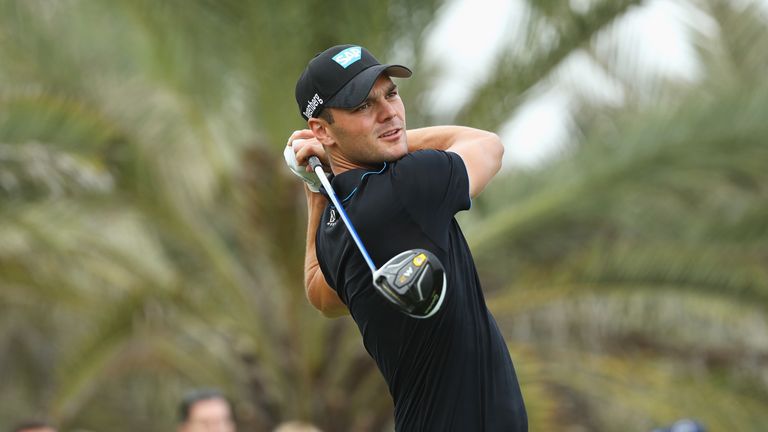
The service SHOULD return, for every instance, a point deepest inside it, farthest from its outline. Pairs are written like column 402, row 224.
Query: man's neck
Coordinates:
column 339, row 166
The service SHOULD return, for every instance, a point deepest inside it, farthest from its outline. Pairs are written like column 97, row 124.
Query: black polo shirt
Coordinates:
column 450, row 372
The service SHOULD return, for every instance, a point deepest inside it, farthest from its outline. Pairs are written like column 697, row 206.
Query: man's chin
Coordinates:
column 394, row 156
column 397, row 150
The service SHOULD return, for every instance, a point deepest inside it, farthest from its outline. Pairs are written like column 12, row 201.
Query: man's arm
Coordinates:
column 481, row 151
column 319, row 293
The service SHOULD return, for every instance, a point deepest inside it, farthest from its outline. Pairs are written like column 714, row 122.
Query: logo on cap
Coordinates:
column 312, row 105
column 348, row 56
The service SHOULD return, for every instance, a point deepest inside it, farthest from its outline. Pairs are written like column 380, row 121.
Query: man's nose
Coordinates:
column 387, row 111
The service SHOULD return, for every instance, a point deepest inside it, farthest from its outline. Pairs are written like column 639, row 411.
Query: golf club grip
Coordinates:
column 314, row 162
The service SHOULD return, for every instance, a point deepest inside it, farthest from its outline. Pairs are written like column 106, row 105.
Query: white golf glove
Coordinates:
column 308, row 177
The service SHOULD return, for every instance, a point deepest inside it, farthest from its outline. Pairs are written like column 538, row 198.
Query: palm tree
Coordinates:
column 191, row 273
column 630, row 270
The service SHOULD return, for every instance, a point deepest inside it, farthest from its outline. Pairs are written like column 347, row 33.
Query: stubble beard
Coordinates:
column 370, row 153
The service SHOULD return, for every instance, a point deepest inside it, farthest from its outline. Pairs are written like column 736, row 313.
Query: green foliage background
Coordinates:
column 151, row 240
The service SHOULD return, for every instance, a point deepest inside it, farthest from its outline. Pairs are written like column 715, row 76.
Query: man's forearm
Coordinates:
column 439, row 137
column 315, row 205
column 319, row 294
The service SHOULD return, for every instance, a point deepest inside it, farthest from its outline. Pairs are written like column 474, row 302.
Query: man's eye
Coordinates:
column 392, row 94
column 362, row 107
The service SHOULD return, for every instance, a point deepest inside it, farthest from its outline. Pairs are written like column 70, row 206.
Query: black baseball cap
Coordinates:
column 340, row 77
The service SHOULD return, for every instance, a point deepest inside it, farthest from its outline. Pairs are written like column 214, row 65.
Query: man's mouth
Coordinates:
column 390, row 133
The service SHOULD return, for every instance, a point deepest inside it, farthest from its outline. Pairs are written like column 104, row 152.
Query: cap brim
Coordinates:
column 358, row 88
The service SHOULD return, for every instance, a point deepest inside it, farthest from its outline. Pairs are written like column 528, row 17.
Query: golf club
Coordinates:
column 414, row 281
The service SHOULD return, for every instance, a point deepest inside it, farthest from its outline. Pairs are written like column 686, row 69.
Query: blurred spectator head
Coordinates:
column 34, row 426
column 683, row 426
column 206, row 410
column 296, row 426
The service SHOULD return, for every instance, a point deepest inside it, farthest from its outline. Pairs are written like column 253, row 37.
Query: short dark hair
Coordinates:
column 326, row 115
column 195, row 396
column 31, row 424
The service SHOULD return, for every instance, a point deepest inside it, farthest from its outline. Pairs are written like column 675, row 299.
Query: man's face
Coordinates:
column 209, row 415
column 374, row 131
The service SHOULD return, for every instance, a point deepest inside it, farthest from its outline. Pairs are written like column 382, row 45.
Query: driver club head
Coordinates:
column 413, row 281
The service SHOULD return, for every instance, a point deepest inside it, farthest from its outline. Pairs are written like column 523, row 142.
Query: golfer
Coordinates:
column 401, row 190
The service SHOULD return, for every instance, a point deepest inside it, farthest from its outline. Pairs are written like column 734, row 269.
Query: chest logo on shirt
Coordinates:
column 332, row 218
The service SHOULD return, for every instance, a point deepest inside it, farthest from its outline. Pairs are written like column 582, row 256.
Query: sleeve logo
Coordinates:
column 332, row 218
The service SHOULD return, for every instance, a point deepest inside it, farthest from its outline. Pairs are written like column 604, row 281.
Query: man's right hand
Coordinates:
column 301, row 145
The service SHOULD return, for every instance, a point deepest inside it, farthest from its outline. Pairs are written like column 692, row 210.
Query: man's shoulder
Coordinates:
column 425, row 162
column 422, row 155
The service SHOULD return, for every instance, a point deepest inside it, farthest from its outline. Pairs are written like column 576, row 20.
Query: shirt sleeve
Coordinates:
column 433, row 186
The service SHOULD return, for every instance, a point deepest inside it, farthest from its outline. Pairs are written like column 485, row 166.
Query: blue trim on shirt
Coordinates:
column 361, row 180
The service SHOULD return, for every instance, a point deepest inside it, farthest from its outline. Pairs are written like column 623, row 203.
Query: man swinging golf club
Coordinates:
column 388, row 250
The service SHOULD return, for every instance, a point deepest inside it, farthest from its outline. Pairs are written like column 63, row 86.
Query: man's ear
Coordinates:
column 322, row 132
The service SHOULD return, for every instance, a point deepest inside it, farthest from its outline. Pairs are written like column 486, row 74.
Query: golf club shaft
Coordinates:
column 317, row 167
